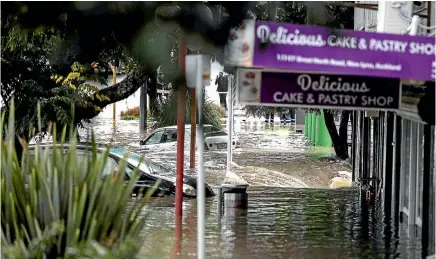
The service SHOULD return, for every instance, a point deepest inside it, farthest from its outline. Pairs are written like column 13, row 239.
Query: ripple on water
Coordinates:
column 279, row 223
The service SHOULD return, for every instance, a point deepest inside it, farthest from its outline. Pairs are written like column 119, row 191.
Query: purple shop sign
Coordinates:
column 311, row 48
column 258, row 87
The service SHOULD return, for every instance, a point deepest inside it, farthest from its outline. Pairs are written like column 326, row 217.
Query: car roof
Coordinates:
column 79, row 145
column 187, row 126
column 87, row 146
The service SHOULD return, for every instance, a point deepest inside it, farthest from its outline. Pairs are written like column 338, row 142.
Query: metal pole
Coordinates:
column 143, row 104
column 230, row 124
column 114, row 82
column 193, row 127
column 180, row 131
column 201, row 192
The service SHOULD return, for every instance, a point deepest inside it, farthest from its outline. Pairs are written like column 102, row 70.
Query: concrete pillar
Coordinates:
column 299, row 117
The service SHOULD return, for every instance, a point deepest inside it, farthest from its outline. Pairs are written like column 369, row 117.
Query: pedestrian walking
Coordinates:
column 222, row 82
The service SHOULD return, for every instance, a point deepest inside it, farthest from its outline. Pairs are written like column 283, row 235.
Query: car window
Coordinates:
column 209, row 128
column 110, row 167
column 215, row 134
column 169, row 136
column 206, row 129
column 155, row 138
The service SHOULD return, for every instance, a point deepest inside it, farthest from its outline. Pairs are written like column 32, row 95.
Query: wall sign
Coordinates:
column 258, row 87
column 310, row 48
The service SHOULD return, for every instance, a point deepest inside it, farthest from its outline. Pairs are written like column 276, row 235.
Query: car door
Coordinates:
column 153, row 141
column 168, row 140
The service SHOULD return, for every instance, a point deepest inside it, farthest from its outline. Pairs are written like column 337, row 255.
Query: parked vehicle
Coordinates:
column 166, row 138
column 150, row 172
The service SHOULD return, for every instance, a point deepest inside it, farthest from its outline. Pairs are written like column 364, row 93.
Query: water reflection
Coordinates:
column 282, row 223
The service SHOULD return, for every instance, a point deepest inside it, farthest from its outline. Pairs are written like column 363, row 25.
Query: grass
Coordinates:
column 55, row 206
column 129, row 117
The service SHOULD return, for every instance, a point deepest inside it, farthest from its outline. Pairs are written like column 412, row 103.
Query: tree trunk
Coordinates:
column 152, row 93
column 115, row 93
column 339, row 140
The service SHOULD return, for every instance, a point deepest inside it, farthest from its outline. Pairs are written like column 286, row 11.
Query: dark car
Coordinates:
column 150, row 172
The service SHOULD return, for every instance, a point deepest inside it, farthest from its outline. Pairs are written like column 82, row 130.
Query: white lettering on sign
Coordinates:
column 422, row 48
column 387, row 45
column 288, row 97
column 335, row 99
column 305, row 82
column 342, row 42
column 281, row 36
column 377, row 101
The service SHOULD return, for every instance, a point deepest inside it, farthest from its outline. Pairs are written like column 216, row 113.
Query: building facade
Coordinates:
column 393, row 152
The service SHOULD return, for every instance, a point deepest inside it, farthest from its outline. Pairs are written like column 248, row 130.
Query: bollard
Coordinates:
column 233, row 196
column 322, row 138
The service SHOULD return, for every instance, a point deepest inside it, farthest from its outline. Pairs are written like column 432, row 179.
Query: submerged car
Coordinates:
column 166, row 138
column 149, row 172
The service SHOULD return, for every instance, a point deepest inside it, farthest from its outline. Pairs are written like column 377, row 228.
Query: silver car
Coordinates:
column 166, row 138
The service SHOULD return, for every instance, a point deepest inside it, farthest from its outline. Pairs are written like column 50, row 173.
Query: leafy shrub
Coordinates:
column 221, row 109
column 167, row 112
column 132, row 112
column 129, row 118
column 54, row 206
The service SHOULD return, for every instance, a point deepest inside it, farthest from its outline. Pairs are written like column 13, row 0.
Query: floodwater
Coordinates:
column 291, row 212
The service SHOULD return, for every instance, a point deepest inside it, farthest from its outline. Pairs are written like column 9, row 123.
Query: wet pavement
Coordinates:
column 285, row 218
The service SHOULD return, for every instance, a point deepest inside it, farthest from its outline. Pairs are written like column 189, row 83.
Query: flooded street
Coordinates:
column 279, row 223
column 269, row 155
column 291, row 213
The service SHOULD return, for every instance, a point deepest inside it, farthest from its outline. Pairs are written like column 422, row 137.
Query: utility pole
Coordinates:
column 272, row 11
column 143, row 107
column 114, row 82
column 181, row 105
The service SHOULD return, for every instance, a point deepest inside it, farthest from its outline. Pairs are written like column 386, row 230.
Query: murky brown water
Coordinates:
column 279, row 223
column 285, row 219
